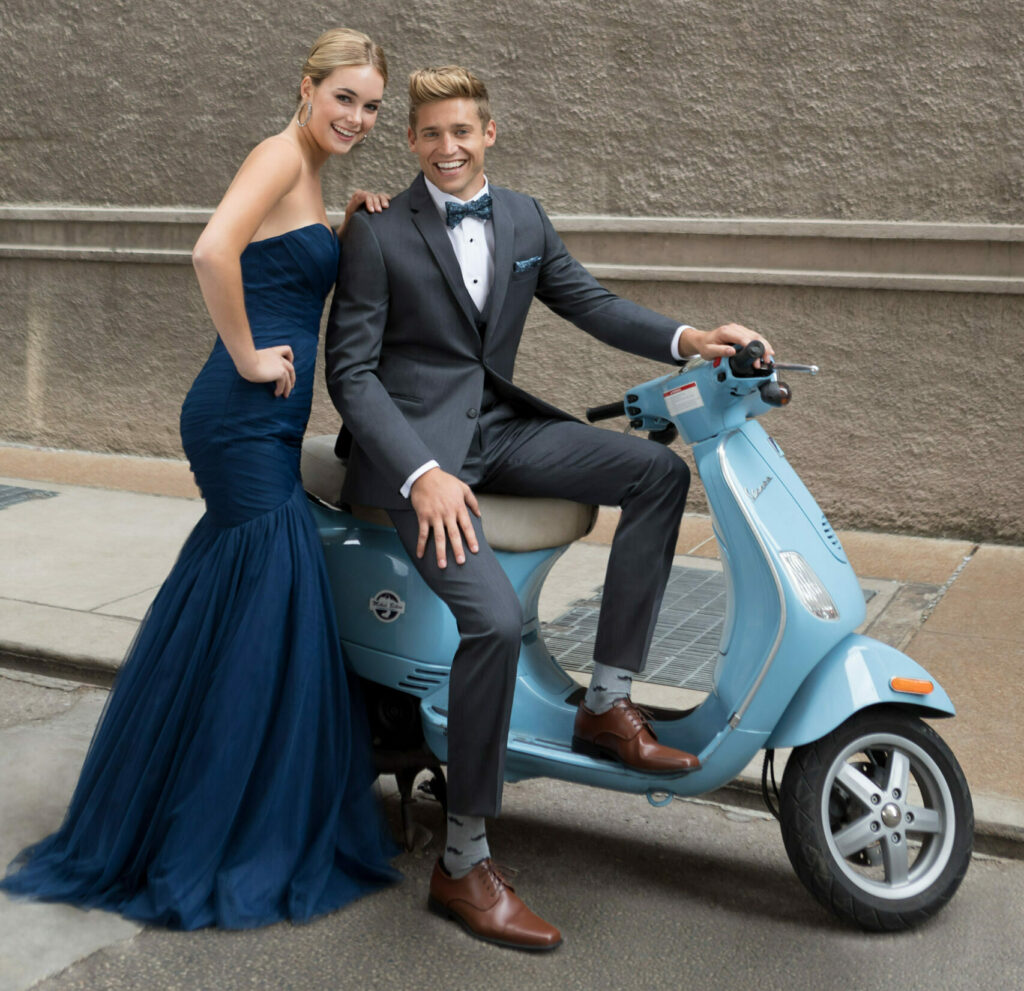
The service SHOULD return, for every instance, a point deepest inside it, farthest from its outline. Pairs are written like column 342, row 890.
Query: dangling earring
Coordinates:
column 309, row 113
column 362, row 140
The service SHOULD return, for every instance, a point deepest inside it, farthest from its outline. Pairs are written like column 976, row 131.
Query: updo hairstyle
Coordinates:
column 342, row 46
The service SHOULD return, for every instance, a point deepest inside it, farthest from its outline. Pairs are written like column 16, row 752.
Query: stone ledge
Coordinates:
column 905, row 256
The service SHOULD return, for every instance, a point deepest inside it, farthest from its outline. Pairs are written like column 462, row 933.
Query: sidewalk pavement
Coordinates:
column 79, row 568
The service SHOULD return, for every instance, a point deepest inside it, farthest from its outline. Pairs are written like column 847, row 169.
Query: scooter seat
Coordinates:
column 511, row 523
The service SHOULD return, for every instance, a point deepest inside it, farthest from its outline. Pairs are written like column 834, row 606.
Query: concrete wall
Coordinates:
column 846, row 177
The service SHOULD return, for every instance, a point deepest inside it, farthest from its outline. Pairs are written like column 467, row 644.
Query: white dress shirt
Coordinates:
column 473, row 242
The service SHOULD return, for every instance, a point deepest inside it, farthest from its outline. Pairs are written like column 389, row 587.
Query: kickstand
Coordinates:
column 436, row 787
column 405, row 778
column 414, row 835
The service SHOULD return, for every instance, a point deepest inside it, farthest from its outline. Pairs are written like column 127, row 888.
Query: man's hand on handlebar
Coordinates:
column 442, row 503
column 722, row 342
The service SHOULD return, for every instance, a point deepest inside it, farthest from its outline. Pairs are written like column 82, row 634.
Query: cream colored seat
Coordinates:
column 511, row 523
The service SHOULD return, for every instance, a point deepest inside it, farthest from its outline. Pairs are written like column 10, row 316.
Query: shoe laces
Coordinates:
column 495, row 875
column 640, row 717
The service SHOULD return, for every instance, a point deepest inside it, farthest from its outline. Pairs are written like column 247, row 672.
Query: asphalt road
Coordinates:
column 688, row 896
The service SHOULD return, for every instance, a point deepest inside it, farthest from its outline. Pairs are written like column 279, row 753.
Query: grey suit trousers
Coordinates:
column 526, row 455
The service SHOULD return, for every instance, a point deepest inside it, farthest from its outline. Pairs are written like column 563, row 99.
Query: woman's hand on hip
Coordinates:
column 276, row 364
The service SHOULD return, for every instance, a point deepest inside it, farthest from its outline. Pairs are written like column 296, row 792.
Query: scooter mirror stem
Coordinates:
column 787, row 367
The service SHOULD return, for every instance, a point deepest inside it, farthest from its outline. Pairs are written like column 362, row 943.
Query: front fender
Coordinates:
column 853, row 675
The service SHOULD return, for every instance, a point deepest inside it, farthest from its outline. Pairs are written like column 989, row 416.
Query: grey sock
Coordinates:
column 465, row 844
column 607, row 686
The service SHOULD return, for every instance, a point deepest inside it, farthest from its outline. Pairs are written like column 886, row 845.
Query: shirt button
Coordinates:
column 471, row 413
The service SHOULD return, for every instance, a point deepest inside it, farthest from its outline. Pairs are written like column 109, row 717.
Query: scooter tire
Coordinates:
column 877, row 820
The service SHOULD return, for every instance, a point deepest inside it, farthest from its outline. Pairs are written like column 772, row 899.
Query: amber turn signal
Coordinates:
column 913, row 686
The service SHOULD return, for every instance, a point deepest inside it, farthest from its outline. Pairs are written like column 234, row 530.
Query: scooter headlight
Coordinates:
column 808, row 586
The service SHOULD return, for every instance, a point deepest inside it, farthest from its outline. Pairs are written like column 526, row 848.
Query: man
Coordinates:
column 430, row 305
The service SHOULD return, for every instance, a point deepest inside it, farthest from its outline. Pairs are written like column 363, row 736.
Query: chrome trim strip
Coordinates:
column 735, row 488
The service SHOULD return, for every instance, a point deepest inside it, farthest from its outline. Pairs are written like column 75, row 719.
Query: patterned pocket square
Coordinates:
column 526, row 264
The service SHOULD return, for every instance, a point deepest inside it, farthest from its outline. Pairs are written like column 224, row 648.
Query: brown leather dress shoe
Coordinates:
column 486, row 906
column 624, row 732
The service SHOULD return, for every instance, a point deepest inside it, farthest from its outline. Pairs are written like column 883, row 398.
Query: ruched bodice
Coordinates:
column 242, row 442
column 229, row 782
column 287, row 278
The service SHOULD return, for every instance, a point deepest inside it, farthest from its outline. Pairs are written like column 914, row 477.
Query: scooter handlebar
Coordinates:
column 742, row 362
column 605, row 412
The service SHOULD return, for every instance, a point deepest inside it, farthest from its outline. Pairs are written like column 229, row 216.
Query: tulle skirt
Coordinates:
column 229, row 782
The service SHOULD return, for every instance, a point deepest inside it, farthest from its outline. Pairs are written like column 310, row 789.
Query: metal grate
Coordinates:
column 686, row 637
column 11, row 495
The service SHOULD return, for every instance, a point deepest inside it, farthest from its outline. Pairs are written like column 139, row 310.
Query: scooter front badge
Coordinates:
column 387, row 606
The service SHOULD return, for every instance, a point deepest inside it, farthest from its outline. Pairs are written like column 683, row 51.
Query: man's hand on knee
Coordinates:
column 442, row 503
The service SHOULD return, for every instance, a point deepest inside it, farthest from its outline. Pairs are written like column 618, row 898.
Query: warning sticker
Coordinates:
column 683, row 398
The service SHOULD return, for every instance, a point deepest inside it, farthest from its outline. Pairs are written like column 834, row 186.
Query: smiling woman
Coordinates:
column 229, row 780
column 342, row 86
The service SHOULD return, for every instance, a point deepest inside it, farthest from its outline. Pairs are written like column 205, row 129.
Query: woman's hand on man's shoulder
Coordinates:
column 371, row 202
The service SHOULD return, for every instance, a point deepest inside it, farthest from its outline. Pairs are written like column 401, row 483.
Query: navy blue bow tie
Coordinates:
column 455, row 213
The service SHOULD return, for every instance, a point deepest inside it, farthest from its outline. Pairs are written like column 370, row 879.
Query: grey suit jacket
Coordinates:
column 406, row 350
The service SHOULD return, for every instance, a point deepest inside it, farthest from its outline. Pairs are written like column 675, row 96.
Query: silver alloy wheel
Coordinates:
column 877, row 819
column 895, row 831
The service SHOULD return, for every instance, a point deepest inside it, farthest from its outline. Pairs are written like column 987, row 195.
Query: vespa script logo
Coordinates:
column 387, row 606
column 754, row 493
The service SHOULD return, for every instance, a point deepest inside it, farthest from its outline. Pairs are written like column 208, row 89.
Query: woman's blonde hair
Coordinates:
column 342, row 46
column 450, row 82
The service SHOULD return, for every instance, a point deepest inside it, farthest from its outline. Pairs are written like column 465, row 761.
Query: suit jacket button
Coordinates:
column 471, row 413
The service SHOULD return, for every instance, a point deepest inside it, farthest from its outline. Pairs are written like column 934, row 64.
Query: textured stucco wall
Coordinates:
column 904, row 429
column 879, row 109
column 98, row 357
column 892, row 110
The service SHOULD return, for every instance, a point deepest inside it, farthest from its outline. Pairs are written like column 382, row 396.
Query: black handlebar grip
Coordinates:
column 742, row 363
column 605, row 412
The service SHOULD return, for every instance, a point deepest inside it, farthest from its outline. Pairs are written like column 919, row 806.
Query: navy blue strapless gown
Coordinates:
column 229, row 780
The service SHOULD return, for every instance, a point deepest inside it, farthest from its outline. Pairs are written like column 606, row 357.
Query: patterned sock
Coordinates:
column 465, row 844
column 607, row 686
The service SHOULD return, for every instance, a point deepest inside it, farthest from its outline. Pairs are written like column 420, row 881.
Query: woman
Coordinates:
column 229, row 782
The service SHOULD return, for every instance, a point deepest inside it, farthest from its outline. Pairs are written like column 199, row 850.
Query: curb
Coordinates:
column 86, row 670
column 993, row 836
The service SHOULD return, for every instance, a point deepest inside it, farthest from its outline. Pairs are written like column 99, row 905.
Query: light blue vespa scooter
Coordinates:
column 875, row 811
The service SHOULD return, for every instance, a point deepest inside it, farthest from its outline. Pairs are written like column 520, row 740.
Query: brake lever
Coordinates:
column 785, row 366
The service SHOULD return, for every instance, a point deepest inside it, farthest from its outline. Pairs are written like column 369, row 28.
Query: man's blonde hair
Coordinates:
column 449, row 82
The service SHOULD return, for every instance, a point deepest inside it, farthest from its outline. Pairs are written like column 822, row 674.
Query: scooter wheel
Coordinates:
column 877, row 820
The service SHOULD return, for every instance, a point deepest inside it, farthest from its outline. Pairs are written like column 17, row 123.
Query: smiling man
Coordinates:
column 429, row 308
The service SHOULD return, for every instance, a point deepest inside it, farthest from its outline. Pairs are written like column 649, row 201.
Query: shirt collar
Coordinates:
column 440, row 197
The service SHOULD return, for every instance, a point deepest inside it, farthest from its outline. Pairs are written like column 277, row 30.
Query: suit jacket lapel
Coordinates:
column 504, row 237
column 430, row 225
